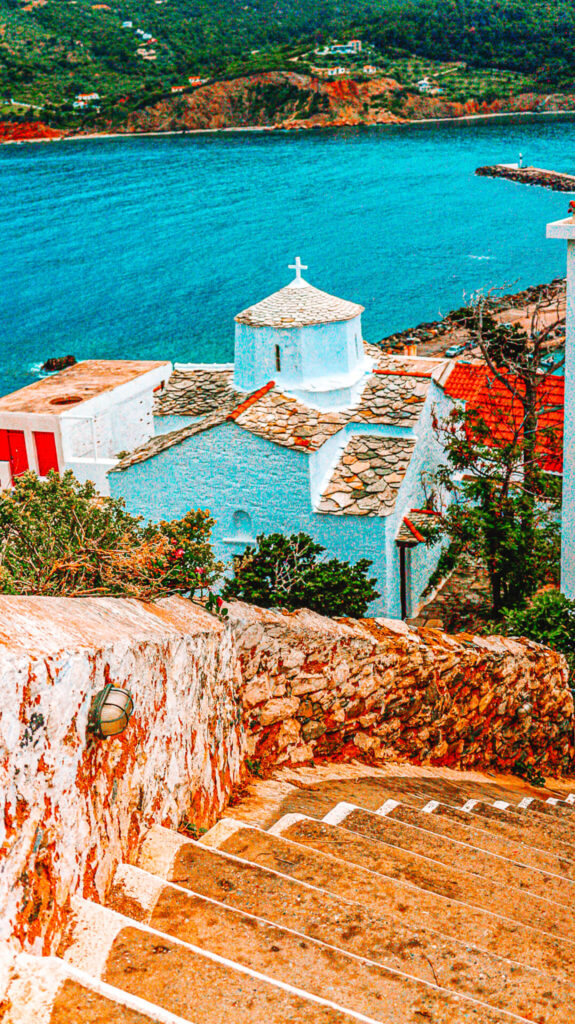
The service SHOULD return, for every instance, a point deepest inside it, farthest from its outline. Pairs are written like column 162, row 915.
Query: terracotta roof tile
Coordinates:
column 476, row 385
column 251, row 400
column 413, row 527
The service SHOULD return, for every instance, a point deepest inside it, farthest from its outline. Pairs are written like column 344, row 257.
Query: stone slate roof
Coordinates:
column 393, row 395
column 387, row 399
column 298, row 306
column 413, row 527
column 193, row 391
column 368, row 476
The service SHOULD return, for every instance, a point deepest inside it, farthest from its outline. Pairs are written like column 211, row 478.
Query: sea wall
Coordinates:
column 213, row 698
column 73, row 806
column 313, row 687
column 553, row 180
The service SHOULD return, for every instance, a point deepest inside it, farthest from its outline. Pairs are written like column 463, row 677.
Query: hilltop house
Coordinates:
column 79, row 419
column 309, row 429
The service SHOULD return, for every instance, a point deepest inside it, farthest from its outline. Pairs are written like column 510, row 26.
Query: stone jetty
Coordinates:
column 554, row 180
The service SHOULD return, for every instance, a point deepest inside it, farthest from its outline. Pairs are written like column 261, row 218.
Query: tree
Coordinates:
column 503, row 500
column 288, row 572
column 59, row 538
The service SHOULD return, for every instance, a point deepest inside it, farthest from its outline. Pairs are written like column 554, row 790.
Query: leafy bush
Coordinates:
column 59, row 538
column 287, row 572
column 549, row 619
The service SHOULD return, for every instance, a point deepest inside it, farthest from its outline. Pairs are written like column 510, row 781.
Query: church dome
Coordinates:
column 299, row 304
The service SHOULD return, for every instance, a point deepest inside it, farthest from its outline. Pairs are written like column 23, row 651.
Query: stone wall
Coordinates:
column 375, row 689
column 74, row 806
column 269, row 687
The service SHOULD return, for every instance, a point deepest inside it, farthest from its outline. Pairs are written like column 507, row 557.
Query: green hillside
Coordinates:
column 51, row 50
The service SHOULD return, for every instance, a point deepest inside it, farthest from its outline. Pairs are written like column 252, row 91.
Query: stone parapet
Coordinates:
column 73, row 806
column 313, row 687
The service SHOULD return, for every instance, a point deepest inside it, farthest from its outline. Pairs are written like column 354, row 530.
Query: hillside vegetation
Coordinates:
column 132, row 52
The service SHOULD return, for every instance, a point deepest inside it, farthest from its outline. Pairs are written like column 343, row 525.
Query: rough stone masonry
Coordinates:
column 313, row 687
column 281, row 688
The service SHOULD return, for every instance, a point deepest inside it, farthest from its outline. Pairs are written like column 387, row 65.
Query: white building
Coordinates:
column 566, row 229
column 79, row 419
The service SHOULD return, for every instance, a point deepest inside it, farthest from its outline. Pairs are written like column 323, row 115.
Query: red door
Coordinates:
column 46, row 451
column 13, row 450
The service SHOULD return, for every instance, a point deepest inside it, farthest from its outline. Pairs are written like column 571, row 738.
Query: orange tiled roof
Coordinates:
column 476, row 385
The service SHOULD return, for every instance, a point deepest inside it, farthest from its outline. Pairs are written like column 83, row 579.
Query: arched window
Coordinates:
column 278, row 359
column 242, row 526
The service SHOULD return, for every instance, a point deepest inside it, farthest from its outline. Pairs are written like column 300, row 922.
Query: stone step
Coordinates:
column 45, row 990
column 485, row 929
column 196, row 984
column 261, row 893
column 421, row 811
column 426, row 873
column 373, row 793
column 467, row 830
column 290, row 956
column 547, row 804
column 457, row 855
column 528, row 827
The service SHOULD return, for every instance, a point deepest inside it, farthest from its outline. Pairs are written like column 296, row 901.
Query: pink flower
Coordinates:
column 179, row 553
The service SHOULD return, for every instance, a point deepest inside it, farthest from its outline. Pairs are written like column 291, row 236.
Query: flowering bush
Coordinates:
column 58, row 537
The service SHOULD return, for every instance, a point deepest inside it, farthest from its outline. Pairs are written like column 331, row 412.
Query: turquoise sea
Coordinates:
column 147, row 247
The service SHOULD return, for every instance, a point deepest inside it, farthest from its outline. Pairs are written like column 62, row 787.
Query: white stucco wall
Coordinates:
column 89, row 435
column 427, row 456
column 309, row 355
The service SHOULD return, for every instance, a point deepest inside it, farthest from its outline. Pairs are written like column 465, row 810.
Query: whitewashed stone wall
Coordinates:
column 73, row 806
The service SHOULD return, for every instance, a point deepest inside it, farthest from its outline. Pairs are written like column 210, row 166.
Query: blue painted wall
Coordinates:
column 227, row 470
column 254, row 486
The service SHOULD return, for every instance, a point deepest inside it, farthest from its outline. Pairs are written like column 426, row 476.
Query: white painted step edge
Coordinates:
column 389, row 805
column 97, row 927
column 35, row 983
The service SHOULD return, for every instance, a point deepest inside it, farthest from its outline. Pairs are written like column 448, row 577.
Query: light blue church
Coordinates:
column 310, row 429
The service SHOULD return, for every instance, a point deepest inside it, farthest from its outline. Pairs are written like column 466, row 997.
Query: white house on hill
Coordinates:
column 309, row 430
column 79, row 419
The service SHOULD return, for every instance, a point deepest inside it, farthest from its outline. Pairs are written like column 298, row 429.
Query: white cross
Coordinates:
column 298, row 267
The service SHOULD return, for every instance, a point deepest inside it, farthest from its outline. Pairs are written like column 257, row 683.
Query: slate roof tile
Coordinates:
column 298, row 307
column 372, row 488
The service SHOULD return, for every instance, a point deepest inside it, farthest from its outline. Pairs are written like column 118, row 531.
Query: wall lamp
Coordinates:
column 110, row 712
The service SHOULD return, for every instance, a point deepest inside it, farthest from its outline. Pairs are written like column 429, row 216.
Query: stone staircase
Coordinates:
column 331, row 895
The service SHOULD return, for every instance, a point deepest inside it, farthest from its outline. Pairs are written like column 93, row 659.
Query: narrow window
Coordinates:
column 278, row 359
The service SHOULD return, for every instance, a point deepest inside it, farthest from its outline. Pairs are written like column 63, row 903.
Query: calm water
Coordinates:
column 146, row 248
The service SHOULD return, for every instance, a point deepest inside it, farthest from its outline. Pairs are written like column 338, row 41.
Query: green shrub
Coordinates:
column 288, row 572
column 59, row 538
column 549, row 619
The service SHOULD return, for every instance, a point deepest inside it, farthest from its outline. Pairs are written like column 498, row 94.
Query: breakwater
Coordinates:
column 553, row 180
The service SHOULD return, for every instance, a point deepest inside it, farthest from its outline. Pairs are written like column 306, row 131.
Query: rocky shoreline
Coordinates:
column 553, row 180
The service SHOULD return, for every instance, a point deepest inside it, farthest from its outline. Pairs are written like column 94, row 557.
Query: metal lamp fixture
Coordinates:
column 111, row 710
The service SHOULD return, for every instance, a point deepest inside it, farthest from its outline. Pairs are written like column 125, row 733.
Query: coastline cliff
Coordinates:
column 289, row 100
